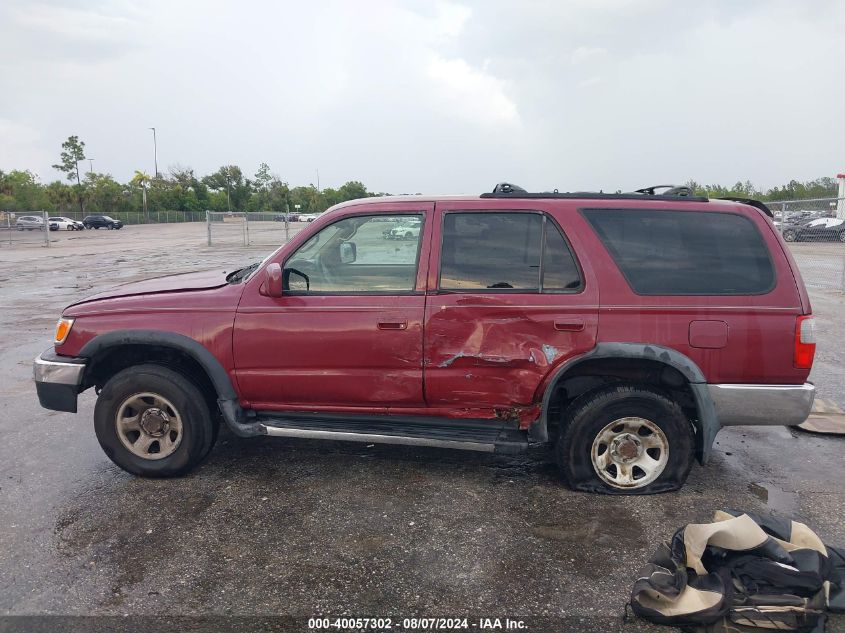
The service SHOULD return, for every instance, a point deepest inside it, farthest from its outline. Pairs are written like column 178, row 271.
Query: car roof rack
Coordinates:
column 506, row 187
column 510, row 190
column 671, row 190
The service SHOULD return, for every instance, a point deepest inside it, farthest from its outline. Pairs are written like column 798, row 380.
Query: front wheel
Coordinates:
column 153, row 422
column 625, row 439
column 790, row 236
column 842, row 236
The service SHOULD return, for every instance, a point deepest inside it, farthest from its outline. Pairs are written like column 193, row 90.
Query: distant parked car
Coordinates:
column 64, row 224
column 30, row 223
column 101, row 221
column 308, row 217
column 822, row 229
column 407, row 231
column 291, row 217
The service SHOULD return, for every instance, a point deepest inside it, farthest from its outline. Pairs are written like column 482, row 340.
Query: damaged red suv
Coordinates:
column 626, row 329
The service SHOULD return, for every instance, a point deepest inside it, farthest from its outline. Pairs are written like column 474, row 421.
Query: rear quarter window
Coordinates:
column 685, row 252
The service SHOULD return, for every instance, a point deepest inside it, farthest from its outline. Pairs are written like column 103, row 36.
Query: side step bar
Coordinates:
column 488, row 436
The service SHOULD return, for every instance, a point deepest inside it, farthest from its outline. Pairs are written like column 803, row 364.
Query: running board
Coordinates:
column 487, row 436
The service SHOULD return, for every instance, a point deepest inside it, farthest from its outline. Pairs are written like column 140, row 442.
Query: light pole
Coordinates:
column 79, row 187
column 155, row 151
column 90, row 164
column 228, row 188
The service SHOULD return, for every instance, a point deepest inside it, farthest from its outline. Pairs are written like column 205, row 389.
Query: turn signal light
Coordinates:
column 62, row 330
column 805, row 342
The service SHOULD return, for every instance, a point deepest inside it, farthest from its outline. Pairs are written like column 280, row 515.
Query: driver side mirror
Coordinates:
column 272, row 284
column 348, row 252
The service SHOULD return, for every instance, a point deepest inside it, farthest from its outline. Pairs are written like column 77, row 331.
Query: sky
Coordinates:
column 431, row 97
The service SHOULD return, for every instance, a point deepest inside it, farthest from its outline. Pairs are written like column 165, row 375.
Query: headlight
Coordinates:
column 62, row 330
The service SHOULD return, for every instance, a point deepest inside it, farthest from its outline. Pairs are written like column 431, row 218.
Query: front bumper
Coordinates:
column 780, row 405
column 57, row 380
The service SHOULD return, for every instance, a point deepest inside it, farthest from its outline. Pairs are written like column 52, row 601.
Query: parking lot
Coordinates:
column 304, row 528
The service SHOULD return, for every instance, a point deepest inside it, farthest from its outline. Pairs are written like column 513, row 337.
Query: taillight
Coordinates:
column 805, row 342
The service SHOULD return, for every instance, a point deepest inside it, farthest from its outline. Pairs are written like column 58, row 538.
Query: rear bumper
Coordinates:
column 57, row 380
column 773, row 405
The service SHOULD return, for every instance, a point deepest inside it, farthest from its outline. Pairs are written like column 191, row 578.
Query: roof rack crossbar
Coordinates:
column 671, row 190
column 509, row 190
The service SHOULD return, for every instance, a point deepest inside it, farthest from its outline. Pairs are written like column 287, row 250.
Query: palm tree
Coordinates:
column 61, row 195
column 141, row 179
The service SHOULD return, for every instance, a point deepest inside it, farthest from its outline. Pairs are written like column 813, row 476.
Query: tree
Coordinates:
column 142, row 179
column 230, row 180
column 73, row 151
column 22, row 191
column 105, row 194
column 60, row 195
column 263, row 177
column 270, row 191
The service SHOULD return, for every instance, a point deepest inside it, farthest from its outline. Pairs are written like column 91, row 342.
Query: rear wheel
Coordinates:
column 842, row 236
column 790, row 236
column 154, row 422
column 625, row 439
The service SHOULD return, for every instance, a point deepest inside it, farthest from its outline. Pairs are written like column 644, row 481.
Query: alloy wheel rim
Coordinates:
column 149, row 426
column 630, row 453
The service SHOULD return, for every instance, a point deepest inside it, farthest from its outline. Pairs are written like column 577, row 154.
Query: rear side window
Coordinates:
column 502, row 251
column 685, row 252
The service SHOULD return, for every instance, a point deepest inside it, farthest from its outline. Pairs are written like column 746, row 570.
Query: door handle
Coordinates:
column 393, row 325
column 572, row 325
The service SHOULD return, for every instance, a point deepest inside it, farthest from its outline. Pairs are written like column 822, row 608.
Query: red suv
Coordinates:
column 626, row 329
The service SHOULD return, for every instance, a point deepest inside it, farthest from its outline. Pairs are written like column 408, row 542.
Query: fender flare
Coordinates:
column 708, row 422
column 227, row 398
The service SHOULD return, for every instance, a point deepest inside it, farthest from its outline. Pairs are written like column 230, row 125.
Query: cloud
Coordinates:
column 21, row 147
column 451, row 18
column 473, row 93
column 591, row 81
column 73, row 23
column 446, row 96
column 584, row 54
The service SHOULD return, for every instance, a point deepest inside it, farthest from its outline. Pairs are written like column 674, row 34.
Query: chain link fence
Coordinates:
column 250, row 229
column 138, row 217
column 815, row 231
column 30, row 228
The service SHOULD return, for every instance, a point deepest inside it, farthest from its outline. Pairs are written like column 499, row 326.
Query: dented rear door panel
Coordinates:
column 494, row 349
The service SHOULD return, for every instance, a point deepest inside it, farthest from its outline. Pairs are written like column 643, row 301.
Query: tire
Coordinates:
column 633, row 462
column 790, row 236
column 842, row 236
column 159, row 389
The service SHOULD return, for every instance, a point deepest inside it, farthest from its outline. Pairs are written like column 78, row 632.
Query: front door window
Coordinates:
column 361, row 254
